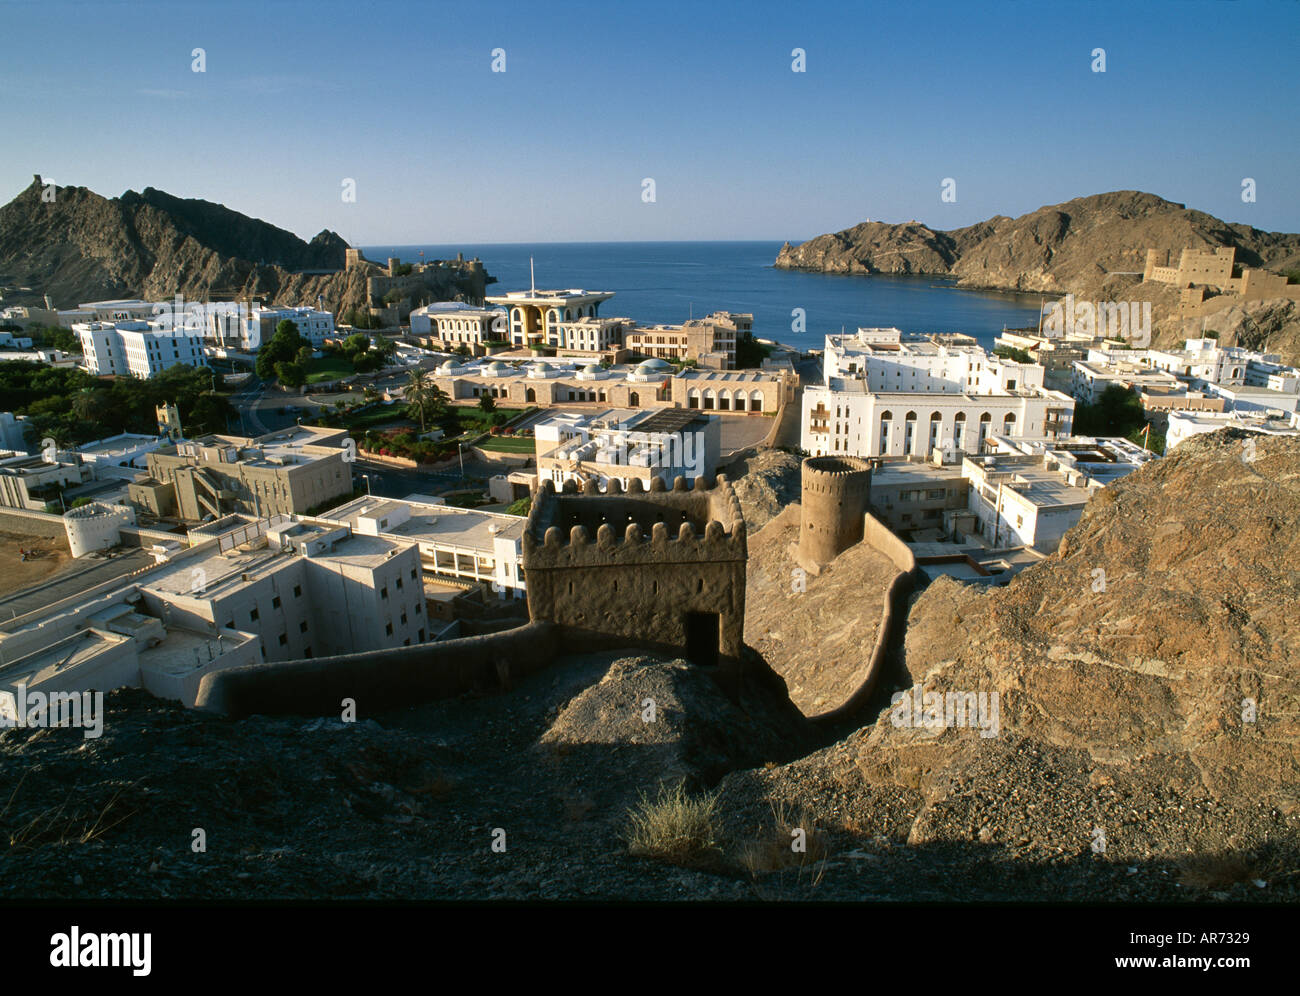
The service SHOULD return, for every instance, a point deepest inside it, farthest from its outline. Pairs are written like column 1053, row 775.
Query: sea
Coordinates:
column 672, row 281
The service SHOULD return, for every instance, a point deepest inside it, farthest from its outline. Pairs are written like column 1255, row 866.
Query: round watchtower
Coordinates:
column 836, row 493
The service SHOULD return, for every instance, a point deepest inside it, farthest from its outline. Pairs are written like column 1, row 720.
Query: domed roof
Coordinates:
column 449, row 366
column 498, row 369
column 654, row 364
column 591, row 368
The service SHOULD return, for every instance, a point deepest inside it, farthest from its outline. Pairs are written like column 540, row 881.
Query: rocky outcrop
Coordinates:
column 1146, row 733
column 81, row 246
column 1062, row 248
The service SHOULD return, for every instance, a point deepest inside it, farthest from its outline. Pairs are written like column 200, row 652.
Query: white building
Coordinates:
column 455, row 544
column 458, row 324
column 624, row 444
column 289, row 590
column 137, row 348
column 1184, row 425
column 847, row 418
column 534, row 315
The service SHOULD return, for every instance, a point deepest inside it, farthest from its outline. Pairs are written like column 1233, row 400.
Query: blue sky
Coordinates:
column 400, row 97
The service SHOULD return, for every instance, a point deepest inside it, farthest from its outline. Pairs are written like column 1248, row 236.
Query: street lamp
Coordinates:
column 367, row 479
column 460, row 452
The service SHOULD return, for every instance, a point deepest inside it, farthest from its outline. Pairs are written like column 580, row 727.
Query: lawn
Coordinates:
column 328, row 368
column 508, row 444
column 375, row 417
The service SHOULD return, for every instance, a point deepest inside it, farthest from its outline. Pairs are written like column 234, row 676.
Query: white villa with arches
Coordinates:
column 890, row 395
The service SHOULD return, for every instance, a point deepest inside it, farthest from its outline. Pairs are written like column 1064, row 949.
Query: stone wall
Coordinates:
column 893, row 619
column 381, row 680
column 652, row 568
column 23, row 522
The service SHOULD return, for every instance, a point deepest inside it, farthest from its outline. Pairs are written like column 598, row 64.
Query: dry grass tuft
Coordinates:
column 675, row 827
column 794, row 842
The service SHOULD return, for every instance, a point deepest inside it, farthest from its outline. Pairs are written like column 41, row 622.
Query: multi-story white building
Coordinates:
column 286, row 590
column 455, row 544
column 137, row 348
column 623, row 444
column 454, row 324
column 534, row 315
column 1030, row 492
column 889, row 396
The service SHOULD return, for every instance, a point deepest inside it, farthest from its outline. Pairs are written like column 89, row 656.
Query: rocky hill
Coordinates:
column 1058, row 249
column 81, row 246
column 1148, row 677
column 1146, row 747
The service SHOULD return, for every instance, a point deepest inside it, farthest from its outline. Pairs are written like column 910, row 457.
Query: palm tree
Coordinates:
column 417, row 391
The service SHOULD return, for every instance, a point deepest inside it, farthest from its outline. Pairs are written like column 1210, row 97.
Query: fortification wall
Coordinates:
column 380, row 680
column 836, row 492
column 658, row 587
column 24, row 522
column 893, row 619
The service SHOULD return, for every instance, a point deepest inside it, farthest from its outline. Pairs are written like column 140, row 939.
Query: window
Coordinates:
column 421, row 635
column 302, row 626
column 399, row 584
column 403, row 618
column 389, row 629
column 383, row 592
column 412, row 573
column 284, row 638
column 275, row 602
column 297, row 591
column 253, row 616
column 417, row 608
column 306, row 651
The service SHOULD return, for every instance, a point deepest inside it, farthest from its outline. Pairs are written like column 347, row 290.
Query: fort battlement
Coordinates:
column 593, row 527
column 666, row 567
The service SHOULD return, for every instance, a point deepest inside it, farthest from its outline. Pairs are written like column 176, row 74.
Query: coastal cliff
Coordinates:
column 1092, row 247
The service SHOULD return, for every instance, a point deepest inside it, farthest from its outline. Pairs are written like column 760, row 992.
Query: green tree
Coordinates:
column 283, row 348
column 487, row 403
column 291, row 374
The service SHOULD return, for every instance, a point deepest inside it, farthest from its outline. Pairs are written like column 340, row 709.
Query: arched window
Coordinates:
column 959, row 431
column 755, row 401
column 724, row 401
column 909, row 433
column 986, row 423
column 530, row 396
column 936, row 426
column 1009, row 424
column 693, row 398
column 634, row 399
column 710, row 400
column 886, row 423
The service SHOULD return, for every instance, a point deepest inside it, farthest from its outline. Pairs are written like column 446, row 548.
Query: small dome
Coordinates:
column 649, row 366
column 591, row 368
column 450, row 366
column 497, row 369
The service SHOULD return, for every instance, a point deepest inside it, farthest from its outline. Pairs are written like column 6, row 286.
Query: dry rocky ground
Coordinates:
column 1124, row 766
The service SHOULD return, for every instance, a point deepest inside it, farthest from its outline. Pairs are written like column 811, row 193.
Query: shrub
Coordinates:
column 674, row 827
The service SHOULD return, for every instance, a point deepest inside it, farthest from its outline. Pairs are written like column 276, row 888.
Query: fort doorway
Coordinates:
column 702, row 638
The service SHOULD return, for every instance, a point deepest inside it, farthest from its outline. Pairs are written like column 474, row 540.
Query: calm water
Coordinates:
column 670, row 281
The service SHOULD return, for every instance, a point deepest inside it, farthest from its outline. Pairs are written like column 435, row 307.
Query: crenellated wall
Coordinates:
column 664, row 569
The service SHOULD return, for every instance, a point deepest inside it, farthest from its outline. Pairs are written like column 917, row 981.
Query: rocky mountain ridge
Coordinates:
column 80, row 246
